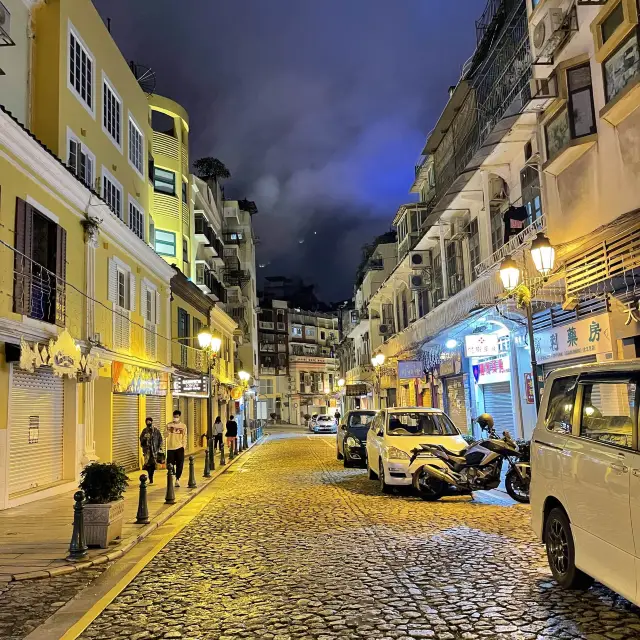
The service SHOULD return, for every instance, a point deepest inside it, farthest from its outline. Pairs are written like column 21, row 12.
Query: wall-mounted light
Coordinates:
column 451, row 343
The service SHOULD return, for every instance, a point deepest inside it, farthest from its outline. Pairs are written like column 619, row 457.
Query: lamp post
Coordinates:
column 543, row 256
column 211, row 346
column 377, row 361
column 244, row 380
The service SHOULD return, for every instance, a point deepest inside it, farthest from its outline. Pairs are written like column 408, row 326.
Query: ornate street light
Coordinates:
column 341, row 383
column 244, row 379
column 210, row 344
column 543, row 254
column 509, row 274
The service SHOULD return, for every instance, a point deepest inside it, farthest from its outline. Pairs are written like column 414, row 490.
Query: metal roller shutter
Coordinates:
column 36, row 428
column 498, row 402
column 126, row 446
column 548, row 367
column 456, row 405
column 157, row 409
column 197, row 421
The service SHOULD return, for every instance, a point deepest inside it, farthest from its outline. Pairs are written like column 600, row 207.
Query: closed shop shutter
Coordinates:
column 36, row 430
column 197, row 421
column 456, row 405
column 498, row 402
column 126, row 446
column 157, row 409
column 548, row 367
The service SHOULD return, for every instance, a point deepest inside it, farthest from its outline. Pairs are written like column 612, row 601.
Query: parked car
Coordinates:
column 351, row 439
column 324, row 424
column 395, row 433
column 585, row 476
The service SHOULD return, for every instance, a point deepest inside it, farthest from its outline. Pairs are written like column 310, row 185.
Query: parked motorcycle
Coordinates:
column 476, row 468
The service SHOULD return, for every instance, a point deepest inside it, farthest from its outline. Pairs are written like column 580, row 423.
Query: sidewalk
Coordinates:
column 34, row 538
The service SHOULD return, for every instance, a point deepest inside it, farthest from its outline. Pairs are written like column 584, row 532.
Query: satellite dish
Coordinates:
column 145, row 76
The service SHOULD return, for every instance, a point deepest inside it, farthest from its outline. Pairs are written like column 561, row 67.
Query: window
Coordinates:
column 612, row 22
column 80, row 71
column 112, row 193
column 150, row 306
column 322, row 335
column 266, row 387
column 123, row 289
column 184, row 192
column 296, row 331
column 437, row 294
column 582, row 115
column 497, row 227
column 81, row 161
column 421, row 424
column 560, row 408
column 621, row 67
column 163, row 123
column 164, row 181
column 183, row 335
column 165, row 243
column 136, row 219
column 310, row 331
column 531, row 199
column 557, row 133
column 151, row 165
column 185, row 257
column 197, row 327
column 474, row 246
column 608, row 412
column 136, row 147
column 454, row 267
column 111, row 113
column 302, row 381
column 152, row 232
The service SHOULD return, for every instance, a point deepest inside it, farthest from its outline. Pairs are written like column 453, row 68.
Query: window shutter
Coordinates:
column 132, row 291
column 22, row 266
column 158, row 309
column 143, row 300
column 61, row 275
column 73, row 155
column 113, row 281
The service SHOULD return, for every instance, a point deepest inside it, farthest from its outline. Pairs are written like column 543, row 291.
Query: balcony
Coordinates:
column 188, row 357
column 204, row 234
column 165, row 145
column 208, row 282
column 234, row 276
column 234, row 237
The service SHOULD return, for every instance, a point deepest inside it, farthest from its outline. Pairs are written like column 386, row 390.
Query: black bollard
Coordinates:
column 211, row 455
column 77, row 546
column 231, row 452
column 222, row 460
column 192, row 474
column 170, row 497
column 207, row 468
column 142, row 517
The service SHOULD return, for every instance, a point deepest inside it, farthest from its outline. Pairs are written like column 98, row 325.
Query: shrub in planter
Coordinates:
column 307, row 416
column 104, row 484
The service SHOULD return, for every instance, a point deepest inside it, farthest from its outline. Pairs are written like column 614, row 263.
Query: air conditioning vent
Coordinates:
column 548, row 34
column 5, row 27
column 417, row 282
column 385, row 329
column 418, row 259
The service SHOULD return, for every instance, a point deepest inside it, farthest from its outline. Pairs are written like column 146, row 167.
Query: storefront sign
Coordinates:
column 409, row 369
column 492, row 370
column 129, row 378
column 528, row 385
column 589, row 336
column 356, row 390
column 450, row 363
column 481, row 344
column 183, row 386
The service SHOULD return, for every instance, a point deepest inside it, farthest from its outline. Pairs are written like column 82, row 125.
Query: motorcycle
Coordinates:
column 476, row 468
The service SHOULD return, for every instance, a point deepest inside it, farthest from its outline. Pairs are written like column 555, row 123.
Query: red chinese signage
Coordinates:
column 528, row 385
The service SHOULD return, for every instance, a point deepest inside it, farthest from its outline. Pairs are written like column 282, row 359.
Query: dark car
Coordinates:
column 351, row 440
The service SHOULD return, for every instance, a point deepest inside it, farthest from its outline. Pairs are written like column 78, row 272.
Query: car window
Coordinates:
column 376, row 424
column 420, row 424
column 608, row 410
column 560, row 408
column 361, row 419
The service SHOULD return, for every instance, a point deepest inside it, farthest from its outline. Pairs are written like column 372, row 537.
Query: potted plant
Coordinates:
column 103, row 484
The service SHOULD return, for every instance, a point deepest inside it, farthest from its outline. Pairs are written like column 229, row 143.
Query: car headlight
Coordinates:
column 353, row 442
column 393, row 453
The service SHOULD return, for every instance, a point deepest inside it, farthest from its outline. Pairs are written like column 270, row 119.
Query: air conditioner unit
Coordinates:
column 418, row 259
column 417, row 282
column 385, row 329
column 5, row 26
column 548, row 34
column 498, row 190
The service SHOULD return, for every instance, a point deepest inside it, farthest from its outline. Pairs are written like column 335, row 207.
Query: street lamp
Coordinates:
column 543, row 255
column 210, row 344
column 377, row 361
column 341, row 383
column 244, row 380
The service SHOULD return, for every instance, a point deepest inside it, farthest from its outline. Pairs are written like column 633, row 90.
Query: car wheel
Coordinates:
column 561, row 552
column 347, row 461
column 338, row 454
column 516, row 488
column 384, row 487
column 372, row 474
column 429, row 488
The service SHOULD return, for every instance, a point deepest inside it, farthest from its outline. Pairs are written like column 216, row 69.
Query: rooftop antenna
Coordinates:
column 109, row 25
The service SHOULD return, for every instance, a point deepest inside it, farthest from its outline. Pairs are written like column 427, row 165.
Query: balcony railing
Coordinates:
column 188, row 357
column 205, row 233
column 38, row 293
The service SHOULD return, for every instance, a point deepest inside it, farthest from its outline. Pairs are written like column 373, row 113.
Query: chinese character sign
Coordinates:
column 481, row 344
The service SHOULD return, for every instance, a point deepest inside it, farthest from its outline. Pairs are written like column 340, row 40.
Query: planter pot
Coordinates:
column 103, row 523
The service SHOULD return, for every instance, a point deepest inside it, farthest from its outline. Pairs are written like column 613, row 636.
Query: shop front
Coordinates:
column 190, row 395
column 414, row 390
column 358, row 396
column 455, row 389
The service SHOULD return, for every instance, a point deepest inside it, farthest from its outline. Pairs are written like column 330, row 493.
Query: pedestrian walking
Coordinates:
column 176, row 443
column 337, row 416
column 151, row 444
column 218, row 429
column 232, row 434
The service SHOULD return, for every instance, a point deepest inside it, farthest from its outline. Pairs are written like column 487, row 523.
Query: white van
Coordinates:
column 585, row 486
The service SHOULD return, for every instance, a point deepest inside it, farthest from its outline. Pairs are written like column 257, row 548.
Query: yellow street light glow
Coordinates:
column 543, row 254
column 216, row 343
column 509, row 274
column 244, row 376
column 341, row 382
column 204, row 339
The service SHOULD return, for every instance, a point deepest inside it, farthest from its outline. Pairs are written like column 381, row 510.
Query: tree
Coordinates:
column 248, row 205
column 211, row 169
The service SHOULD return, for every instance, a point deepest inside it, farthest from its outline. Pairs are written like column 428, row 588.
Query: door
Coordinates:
column 498, row 402
column 596, row 477
column 35, row 430
column 157, row 409
column 456, row 405
column 125, row 443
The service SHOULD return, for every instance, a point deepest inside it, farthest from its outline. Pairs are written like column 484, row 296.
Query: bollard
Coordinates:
column 245, row 440
column 211, row 455
column 77, row 546
column 170, row 497
column 231, row 452
column 192, row 474
column 222, row 460
column 207, row 468
column 142, row 517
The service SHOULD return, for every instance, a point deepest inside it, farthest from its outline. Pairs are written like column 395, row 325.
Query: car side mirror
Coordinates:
column 343, row 427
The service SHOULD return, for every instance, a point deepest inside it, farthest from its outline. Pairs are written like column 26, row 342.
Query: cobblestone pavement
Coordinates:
column 295, row 547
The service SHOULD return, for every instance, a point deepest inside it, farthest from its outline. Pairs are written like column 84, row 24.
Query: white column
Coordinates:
column 484, row 219
column 443, row 262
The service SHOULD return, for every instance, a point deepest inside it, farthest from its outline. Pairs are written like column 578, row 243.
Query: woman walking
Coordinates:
column 151, row 443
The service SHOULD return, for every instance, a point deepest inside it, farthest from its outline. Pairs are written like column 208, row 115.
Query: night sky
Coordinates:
column 318, row 109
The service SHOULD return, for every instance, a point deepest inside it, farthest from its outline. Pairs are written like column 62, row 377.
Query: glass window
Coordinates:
column 560, row 408
column 136, row 147
column 420, row 424
column 164, row 181
column 111, row 113
column 612, row 22
column 497, row 228
column 557, row 133
column 184, row 192
column 112, row 194
column 165, row 243
column 80, row 71
column 622, row 67
column 530, row 183
column 136, row 220
column 474, row 246
column 583, row 122
column 296, row 331
column 122, row 289
column 608, row 410
column 81, row 162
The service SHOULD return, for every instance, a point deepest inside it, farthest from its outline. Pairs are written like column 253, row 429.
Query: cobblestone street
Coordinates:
column 296, row 547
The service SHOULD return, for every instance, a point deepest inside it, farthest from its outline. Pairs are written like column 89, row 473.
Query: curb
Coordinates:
column 128, row 543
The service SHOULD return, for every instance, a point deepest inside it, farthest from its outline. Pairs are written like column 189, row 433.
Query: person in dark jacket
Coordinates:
column 151, row 443
column 232, row 434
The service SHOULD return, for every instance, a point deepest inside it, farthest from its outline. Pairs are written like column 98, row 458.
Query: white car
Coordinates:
column 393, row 435
column 324, row 424
column 585, row 476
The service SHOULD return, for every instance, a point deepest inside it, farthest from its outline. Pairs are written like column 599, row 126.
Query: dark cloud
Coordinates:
column 319, row 109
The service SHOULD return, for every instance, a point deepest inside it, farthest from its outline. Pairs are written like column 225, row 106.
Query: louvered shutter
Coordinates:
column 61, row 275
column 22, row 267
column 143, row 301
column 113, row 281
column 132, row 291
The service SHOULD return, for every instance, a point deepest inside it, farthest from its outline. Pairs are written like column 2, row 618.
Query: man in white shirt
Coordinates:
column 176, row 443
